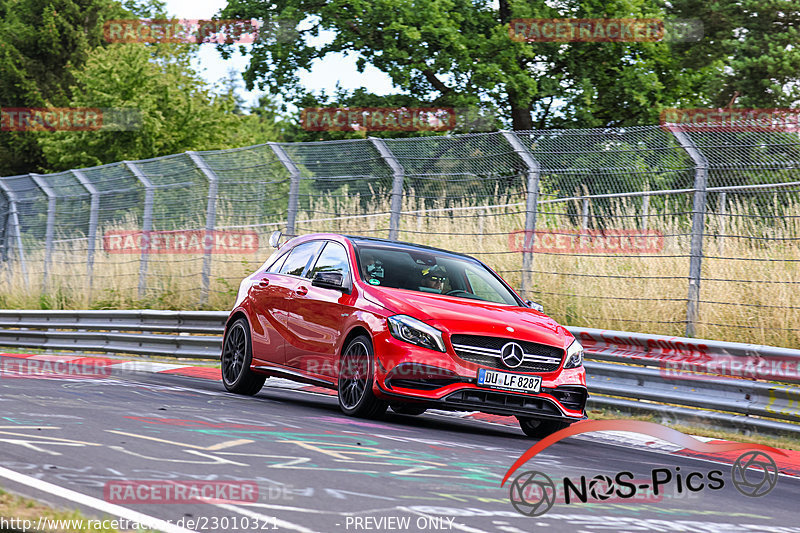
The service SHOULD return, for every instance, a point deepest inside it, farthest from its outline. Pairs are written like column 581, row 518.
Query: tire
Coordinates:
column 410, row 409
column 237, row 354
column 356, row 379
column 539, row 429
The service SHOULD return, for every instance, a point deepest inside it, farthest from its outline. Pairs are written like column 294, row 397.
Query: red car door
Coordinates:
column 316, row 315
column 270, row 294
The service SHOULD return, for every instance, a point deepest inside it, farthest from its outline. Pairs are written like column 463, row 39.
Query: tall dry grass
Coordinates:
column 750, row 265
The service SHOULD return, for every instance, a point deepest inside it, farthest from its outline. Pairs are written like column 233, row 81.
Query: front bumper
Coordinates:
column 443, row 381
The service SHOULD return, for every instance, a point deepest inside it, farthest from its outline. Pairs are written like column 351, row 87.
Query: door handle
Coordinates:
column 302, row 291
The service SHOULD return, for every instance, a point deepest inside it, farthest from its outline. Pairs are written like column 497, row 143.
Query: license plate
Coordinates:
column 506, row 381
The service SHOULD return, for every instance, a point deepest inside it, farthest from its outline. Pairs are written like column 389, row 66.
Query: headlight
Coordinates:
column 574, row 355
column 415, row 331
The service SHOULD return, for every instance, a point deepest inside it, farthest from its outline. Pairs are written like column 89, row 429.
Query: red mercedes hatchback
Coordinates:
column 402, row 325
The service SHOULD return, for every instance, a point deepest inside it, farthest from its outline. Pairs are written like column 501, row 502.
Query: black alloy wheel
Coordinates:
column 237, row 353
column 356, row 378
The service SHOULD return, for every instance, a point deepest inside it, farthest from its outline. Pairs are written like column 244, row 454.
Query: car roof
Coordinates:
column 357, row 239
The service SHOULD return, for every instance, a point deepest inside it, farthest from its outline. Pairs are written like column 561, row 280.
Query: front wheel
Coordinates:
column 237, row 353
column 356, row 378
column 540, row 429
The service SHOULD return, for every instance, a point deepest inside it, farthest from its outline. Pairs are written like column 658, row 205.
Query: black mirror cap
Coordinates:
column 330, row 280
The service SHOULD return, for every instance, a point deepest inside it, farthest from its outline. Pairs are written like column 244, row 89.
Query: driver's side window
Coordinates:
column 332, row 259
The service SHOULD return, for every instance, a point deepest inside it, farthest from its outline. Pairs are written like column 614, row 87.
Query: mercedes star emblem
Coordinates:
column 512, row 355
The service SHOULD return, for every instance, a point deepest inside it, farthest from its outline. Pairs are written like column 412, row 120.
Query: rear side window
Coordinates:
column 299, row 258
column 332, row 259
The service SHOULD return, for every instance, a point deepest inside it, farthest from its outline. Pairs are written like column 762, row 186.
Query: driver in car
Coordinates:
column 433, row 279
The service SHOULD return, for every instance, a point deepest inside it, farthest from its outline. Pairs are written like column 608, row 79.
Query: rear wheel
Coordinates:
column 237, row 353
column 538, row 428
column 356, row 378
column 408, row 409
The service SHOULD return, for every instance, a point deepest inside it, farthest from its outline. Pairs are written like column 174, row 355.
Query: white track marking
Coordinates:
column 94, row 503
column 146, row 366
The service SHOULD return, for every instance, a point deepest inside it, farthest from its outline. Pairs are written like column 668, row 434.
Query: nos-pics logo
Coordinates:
column 533, row 493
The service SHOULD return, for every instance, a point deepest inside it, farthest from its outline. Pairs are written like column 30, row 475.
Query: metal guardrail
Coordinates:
column 686, row 387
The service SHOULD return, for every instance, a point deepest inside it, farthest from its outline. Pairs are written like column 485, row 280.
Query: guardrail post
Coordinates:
column 94, row 210
column 13, row 217
column 147, row 223
column 294, row 185
column 49, row 228
column 698, row 227
column 211, row 219
column 398, row 175
column 531, row 205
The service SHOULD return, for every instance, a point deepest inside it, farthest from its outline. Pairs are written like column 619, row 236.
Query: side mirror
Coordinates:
column 328, row 280
column 275, row 238
column 534, row 305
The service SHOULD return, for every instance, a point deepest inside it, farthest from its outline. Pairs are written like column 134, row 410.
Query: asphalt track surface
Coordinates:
column 318, row 470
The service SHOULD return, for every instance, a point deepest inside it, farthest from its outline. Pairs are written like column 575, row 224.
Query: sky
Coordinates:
column 323, row 75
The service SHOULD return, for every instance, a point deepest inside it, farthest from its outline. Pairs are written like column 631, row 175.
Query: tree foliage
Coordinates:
column 53, row 54
column 458, row 53
column 178, row 111
column 41, row 42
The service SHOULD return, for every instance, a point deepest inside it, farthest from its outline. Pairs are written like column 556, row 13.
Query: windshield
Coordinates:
column 431, row 272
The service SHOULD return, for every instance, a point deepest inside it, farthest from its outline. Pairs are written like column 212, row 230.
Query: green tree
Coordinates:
column 458, row 53
column 41, row 42
column 754, row 44
column 177, row 110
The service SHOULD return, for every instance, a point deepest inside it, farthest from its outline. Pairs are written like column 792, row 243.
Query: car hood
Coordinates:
column 459, row 315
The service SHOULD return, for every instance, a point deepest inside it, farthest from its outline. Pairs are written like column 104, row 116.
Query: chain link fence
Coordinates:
column 684, row 231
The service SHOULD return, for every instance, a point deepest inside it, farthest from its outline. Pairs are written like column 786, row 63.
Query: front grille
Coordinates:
column 486, row 351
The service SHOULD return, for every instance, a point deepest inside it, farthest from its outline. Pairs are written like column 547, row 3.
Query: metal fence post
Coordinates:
column 94, row 211
column 211, row 218
column 585, row 214
column 49, row 228
column 294, row 185
column 398, row 175
column 722, row 208
column 531, row 204
column 645, row 211
column 698, row 227
column 13, row 216
column 147, row 223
